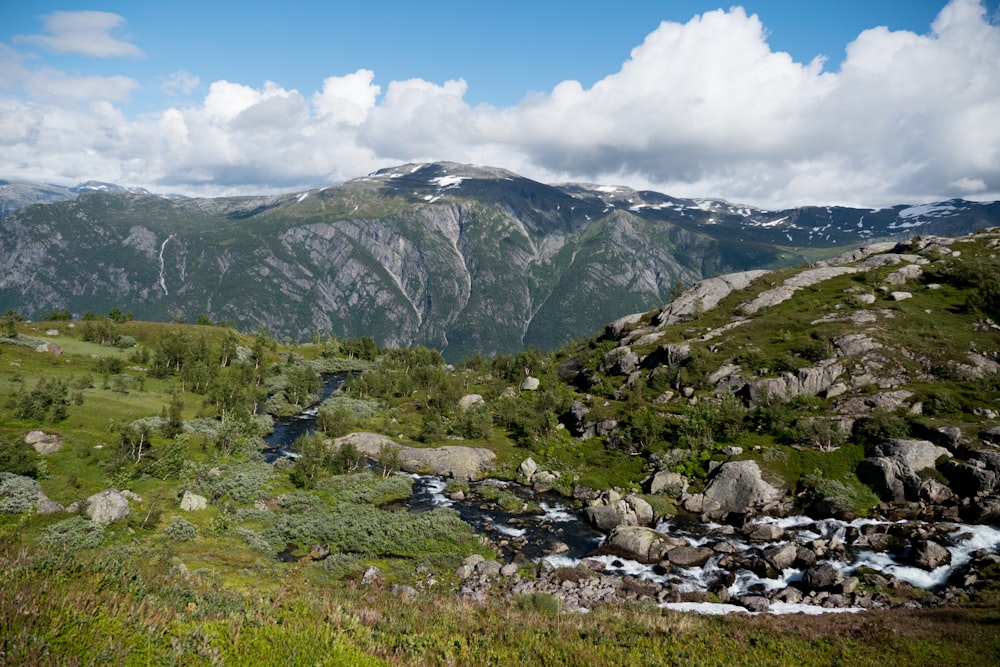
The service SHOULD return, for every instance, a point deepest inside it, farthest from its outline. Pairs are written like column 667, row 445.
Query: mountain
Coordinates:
column 461, row 258
column 16, row 195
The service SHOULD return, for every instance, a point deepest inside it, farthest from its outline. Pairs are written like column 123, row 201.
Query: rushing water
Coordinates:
column 288, row 429
column 544, row 526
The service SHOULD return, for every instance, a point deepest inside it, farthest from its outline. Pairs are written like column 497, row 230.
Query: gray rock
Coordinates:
column 738, row 488
column 900, row 296
column 916, row 455
column 689, row 556
column 641, row 543
column 489, row 569
column 991, row 435
column 470, row 401
column 107, row 507
column 192, row 502
column 802, row 279
column 704, row 296
column 43, row 443
column 822, row 577
column 527, row 469
column 781, row 556
column 755, row 603
column 449, row 461
column 968, row 480
column 668, row 483
column 767, row 532
column 509, row 570
column 620, row 361
column 372, row 575
column 904, row 274
column 855, row 344
column 530, row 384
column 47, row 506
column 929, row 555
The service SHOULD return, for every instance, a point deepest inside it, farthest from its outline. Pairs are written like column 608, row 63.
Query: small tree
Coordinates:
column 388, row 459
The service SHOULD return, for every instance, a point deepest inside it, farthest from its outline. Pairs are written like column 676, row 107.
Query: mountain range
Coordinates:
column 462, row 258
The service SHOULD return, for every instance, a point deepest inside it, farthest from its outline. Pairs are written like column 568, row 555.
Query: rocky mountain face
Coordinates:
column 463, row 259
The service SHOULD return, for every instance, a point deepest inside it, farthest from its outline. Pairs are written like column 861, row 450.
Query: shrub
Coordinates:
column 17, row 493
column 73, row 534
column 180, row 529
column 545, row 604
column 18, row 458
column 255, row 541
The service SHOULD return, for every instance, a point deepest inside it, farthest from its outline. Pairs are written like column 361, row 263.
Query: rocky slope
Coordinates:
column 464, row 259
column 890, row 350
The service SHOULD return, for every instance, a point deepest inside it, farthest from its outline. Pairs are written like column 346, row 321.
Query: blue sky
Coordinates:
column 768, row 102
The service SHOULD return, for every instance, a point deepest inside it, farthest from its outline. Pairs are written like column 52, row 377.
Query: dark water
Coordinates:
column 288, row 429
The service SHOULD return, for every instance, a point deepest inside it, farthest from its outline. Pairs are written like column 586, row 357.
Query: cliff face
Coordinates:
column 463, row 259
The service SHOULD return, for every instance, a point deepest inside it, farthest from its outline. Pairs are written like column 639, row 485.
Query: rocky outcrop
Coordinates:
column 704, row 296
column 449, row 461
column 807, row 278
column 893, row 471
column 809, row 381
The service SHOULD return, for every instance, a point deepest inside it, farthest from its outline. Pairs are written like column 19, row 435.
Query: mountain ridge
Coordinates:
column 462, row 258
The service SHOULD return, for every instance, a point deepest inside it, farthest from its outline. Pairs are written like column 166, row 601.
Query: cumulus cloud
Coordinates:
column 704, row 108
column 87, row 33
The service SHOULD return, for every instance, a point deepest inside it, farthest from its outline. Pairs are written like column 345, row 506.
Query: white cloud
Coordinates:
column 179, row 83
column 86, row 33
column 704, row 108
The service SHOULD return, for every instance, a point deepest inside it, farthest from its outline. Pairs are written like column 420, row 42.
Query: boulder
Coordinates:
column 530, row 384
column 969, row 480
column 47, row 506
column 904, row 274
column 668, row 483
column 854, row 344
column 620, row 361
column 107, row 507
column 781, row 557
column 822, row 577
column 991, row 435
column 893, row 471
column 527, row 469
column 916, row 455
column 689, row 556
column 43, row 443
column 192, row 502
column 612, row 512
column 738, row 488
column 449, row 461
column 641, row 543
column 470, row 401
column 900, row 296
column 929, row 555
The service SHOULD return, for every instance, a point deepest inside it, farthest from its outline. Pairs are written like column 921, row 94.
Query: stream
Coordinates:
column 542, row 526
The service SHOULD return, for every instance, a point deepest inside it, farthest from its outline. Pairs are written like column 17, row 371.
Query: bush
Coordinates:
column 18, row 458
column 73, row 534
column 180, row 529
column 17, row 493
column 545, row 604
column 255, row 541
